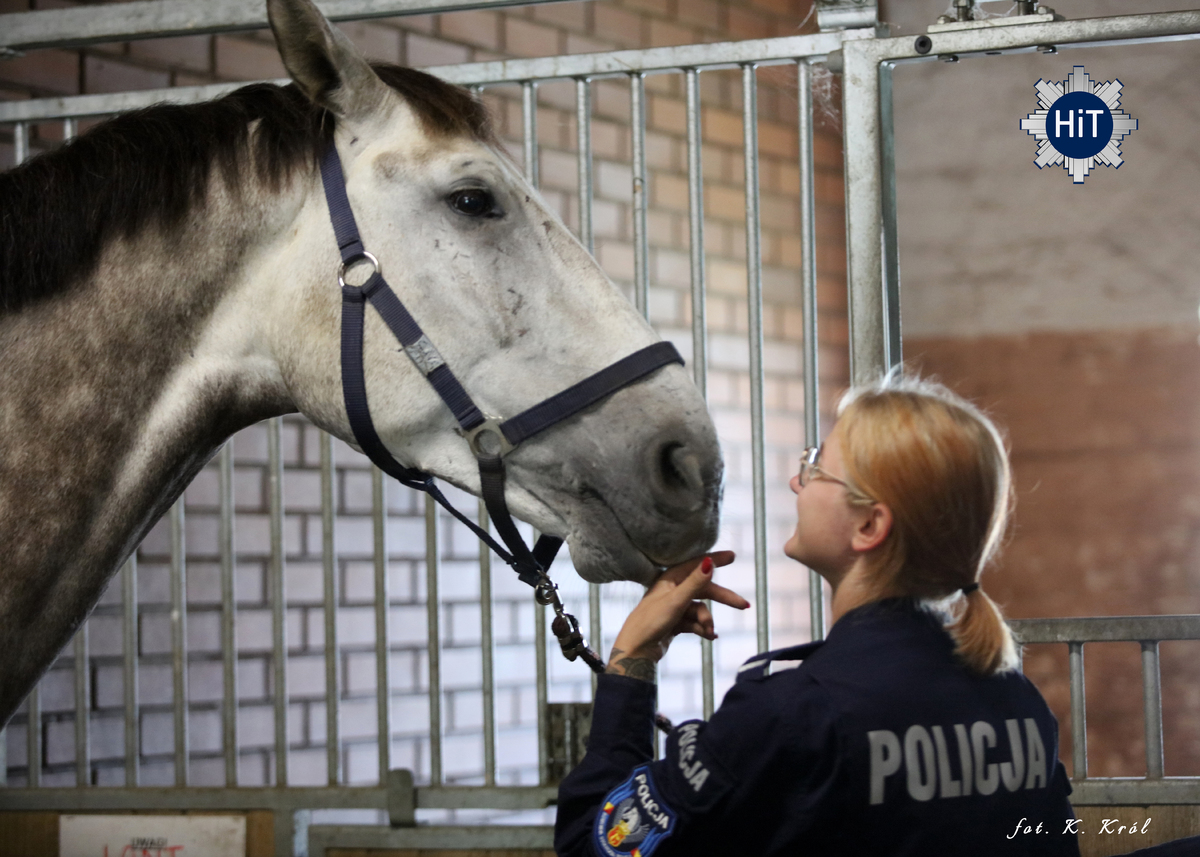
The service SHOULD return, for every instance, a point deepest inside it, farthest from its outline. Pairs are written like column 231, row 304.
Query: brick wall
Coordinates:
column 434, row 40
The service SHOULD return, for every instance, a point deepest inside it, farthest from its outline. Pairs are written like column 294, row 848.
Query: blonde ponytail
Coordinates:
column 941, row 467
column 982, row 638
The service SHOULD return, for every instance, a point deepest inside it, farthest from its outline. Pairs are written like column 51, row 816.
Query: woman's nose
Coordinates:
column 794, row 484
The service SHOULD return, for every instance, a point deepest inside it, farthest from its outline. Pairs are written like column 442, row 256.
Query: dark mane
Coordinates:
column 60, row 209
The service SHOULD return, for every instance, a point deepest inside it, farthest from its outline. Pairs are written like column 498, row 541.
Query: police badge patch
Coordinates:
column 634, row 818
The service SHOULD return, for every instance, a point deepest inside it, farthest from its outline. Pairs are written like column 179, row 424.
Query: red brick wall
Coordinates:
column 1105, row 435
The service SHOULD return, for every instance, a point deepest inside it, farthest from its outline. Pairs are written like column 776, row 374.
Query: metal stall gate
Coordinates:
column 242, row 650
column 875, row 326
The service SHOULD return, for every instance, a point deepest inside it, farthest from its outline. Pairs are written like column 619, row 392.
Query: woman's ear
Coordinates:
column 873, row 528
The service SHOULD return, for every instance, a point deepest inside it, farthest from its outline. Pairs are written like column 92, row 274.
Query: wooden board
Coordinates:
column 35, row 834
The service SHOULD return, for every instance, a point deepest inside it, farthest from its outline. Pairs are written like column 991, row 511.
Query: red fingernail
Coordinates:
column 706, row 567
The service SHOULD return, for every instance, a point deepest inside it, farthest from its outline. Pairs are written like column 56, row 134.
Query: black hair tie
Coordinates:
column 969, row 588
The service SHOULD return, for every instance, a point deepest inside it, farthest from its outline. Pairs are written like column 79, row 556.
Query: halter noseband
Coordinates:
column 490, row 438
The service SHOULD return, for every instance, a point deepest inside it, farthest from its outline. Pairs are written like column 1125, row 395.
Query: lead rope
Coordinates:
column 571, row 641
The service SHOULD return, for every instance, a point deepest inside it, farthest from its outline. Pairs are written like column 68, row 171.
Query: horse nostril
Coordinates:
column 680, row 469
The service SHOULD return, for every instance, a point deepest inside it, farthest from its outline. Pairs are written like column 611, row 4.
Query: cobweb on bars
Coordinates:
column 982, row 13
column 827, row 98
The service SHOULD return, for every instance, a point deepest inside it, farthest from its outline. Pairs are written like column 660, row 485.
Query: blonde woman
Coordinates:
column 908, row 731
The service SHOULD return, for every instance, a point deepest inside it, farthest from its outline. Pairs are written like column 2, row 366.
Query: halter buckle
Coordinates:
column 487, row 440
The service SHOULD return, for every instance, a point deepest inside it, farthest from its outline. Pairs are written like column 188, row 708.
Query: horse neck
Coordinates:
column 115, row 393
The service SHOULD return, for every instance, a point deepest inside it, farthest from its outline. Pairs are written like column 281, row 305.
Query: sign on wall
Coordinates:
column 152, row 835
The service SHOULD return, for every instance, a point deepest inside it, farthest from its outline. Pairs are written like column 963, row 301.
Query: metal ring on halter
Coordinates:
column 347, row 265
column 487, row 440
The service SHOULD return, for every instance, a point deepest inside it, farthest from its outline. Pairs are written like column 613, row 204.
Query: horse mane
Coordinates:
column 60, row 209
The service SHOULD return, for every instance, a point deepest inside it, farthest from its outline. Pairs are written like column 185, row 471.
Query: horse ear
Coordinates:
column 323, row 62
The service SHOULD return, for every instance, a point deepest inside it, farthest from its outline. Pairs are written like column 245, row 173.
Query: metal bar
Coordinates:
column 529, row 121
column 330, row 597
column 641, row 246
column 1120, row 791
column 864, row 275
column 808, row 306
column 487, row 649
column 695, row 173
column 205, row 798
column 1083, row 32
column 225, row 547
column 542, row 692
column 325, row 840
column 33, row 737
column 1152, row 709
column 583, row 145
column 1107, row 629
column 755, row 306
column 616, row 64
column 673, row 59
column 383, row 683
column 432, row 561
column 82, row 747
column 1078, row 713
column 129, row 636
column 151, row 20
column 179, row 694
column 80, row 647
column 20, row 143
column 33, row 707
column 892, row 351
column 268, row 797
column 278, row 596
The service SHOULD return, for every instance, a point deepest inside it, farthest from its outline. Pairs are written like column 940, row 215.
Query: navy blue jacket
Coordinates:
column 879, row 743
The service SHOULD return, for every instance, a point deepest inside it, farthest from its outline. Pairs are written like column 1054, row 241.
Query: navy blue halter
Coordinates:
column 490, row 439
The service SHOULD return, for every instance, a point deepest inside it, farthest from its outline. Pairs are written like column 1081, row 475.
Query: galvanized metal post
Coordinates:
column 129, row 635
column 279, row 645
column 893, row 352
column 583, row 132
column 641, row 247
column 330, row 590
column 1152, row 709
column 225, row 547
column 487, row 653
column 864, row 200
column 179, row 695
column 383, row 683
column 755, row 306
column 33, row 703
column 695, row 172
column 808, row 307
column 432, row 562
column 1078, row 712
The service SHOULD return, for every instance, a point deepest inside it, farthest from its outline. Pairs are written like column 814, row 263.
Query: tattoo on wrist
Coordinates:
column 642, row 669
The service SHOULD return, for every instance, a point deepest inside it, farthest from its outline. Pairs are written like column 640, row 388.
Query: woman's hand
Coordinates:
column 671, row 606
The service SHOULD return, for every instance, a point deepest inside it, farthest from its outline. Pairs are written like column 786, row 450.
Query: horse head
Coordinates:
column 514, row 303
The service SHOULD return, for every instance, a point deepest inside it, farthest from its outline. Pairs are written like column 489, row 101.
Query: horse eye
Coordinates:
column 473, row 202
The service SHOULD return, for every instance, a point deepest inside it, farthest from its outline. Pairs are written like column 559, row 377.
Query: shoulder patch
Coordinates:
column 702, row 778
column 634, row 818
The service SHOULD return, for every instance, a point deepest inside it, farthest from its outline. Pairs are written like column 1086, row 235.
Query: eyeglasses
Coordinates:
column 809, row 470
